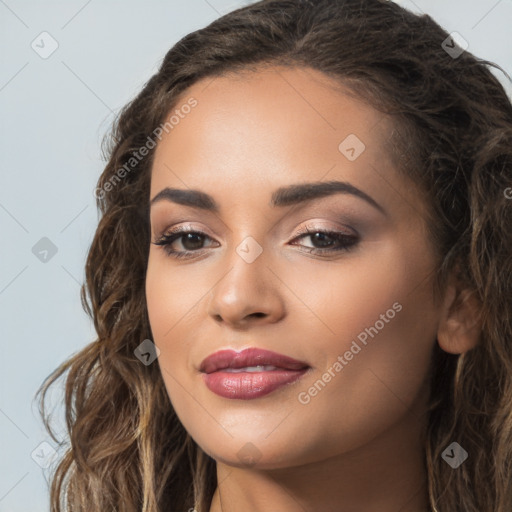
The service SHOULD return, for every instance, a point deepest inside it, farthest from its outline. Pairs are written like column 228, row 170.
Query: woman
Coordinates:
column 301, row 278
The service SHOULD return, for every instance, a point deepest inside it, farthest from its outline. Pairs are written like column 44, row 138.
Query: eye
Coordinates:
column 329, row 241
column 191, row 240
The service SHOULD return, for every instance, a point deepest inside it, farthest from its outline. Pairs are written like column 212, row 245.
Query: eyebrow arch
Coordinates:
column 295, row 194
column 284, row 196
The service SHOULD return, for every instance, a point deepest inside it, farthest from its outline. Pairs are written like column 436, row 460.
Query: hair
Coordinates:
column 452, row 138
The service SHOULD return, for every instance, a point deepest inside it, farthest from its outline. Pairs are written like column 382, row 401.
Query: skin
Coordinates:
column 357, row 444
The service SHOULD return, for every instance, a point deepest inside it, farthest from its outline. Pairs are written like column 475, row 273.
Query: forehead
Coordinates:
column 273, row 126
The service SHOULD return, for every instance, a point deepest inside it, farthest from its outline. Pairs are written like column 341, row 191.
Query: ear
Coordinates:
column 460, row 325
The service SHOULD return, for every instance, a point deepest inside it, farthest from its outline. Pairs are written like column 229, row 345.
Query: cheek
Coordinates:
column 382, row 291
column 166, row 311
column 374, row 333
column 158, row 299
column 171, row 297
column 174, row 300
column 166, row 307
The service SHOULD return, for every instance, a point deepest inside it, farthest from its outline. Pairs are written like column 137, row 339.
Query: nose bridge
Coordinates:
column 247, row 288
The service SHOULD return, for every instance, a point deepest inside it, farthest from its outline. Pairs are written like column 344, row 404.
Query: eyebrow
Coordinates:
column 284, row 196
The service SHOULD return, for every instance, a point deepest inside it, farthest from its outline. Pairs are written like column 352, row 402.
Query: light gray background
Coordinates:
column 54, row 113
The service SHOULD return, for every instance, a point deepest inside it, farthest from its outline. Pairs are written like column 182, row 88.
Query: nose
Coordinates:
column 247, row 294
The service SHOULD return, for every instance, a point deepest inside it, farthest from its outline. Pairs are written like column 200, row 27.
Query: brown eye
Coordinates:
column 191, row 240
column 327, row 241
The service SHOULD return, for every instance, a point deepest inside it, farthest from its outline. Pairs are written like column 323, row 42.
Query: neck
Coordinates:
column 385, row 475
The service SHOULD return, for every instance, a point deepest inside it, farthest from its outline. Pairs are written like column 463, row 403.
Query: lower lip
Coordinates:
column 248, row 385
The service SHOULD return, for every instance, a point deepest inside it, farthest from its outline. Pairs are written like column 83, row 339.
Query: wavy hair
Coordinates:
column 126, row 449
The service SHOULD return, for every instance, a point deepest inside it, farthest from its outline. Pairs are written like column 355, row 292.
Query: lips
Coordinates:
column 252, row 373
column 250, row 357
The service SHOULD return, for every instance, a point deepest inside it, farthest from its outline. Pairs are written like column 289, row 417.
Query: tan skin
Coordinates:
column 356, row 446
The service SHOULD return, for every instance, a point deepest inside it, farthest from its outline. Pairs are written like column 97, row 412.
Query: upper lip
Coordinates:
column 248, row 357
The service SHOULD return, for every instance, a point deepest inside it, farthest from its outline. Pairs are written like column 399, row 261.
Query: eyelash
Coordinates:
column 347, row 241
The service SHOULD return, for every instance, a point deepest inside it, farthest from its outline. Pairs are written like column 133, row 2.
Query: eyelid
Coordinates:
column 312, row 225
column 177, row 228
column 348, row 242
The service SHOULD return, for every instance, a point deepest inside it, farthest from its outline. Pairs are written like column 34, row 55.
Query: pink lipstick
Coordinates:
column 251, row 373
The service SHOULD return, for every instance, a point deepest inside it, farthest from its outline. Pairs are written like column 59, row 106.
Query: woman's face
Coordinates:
column 356, row 311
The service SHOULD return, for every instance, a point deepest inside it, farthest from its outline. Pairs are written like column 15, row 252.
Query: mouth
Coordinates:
column 252, row 369
column 249, row 360
column 251, row 373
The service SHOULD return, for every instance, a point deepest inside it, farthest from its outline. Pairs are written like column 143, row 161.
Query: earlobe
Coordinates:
column 460, row 325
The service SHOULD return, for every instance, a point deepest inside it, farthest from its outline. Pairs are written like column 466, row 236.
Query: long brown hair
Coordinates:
column 453, row 137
